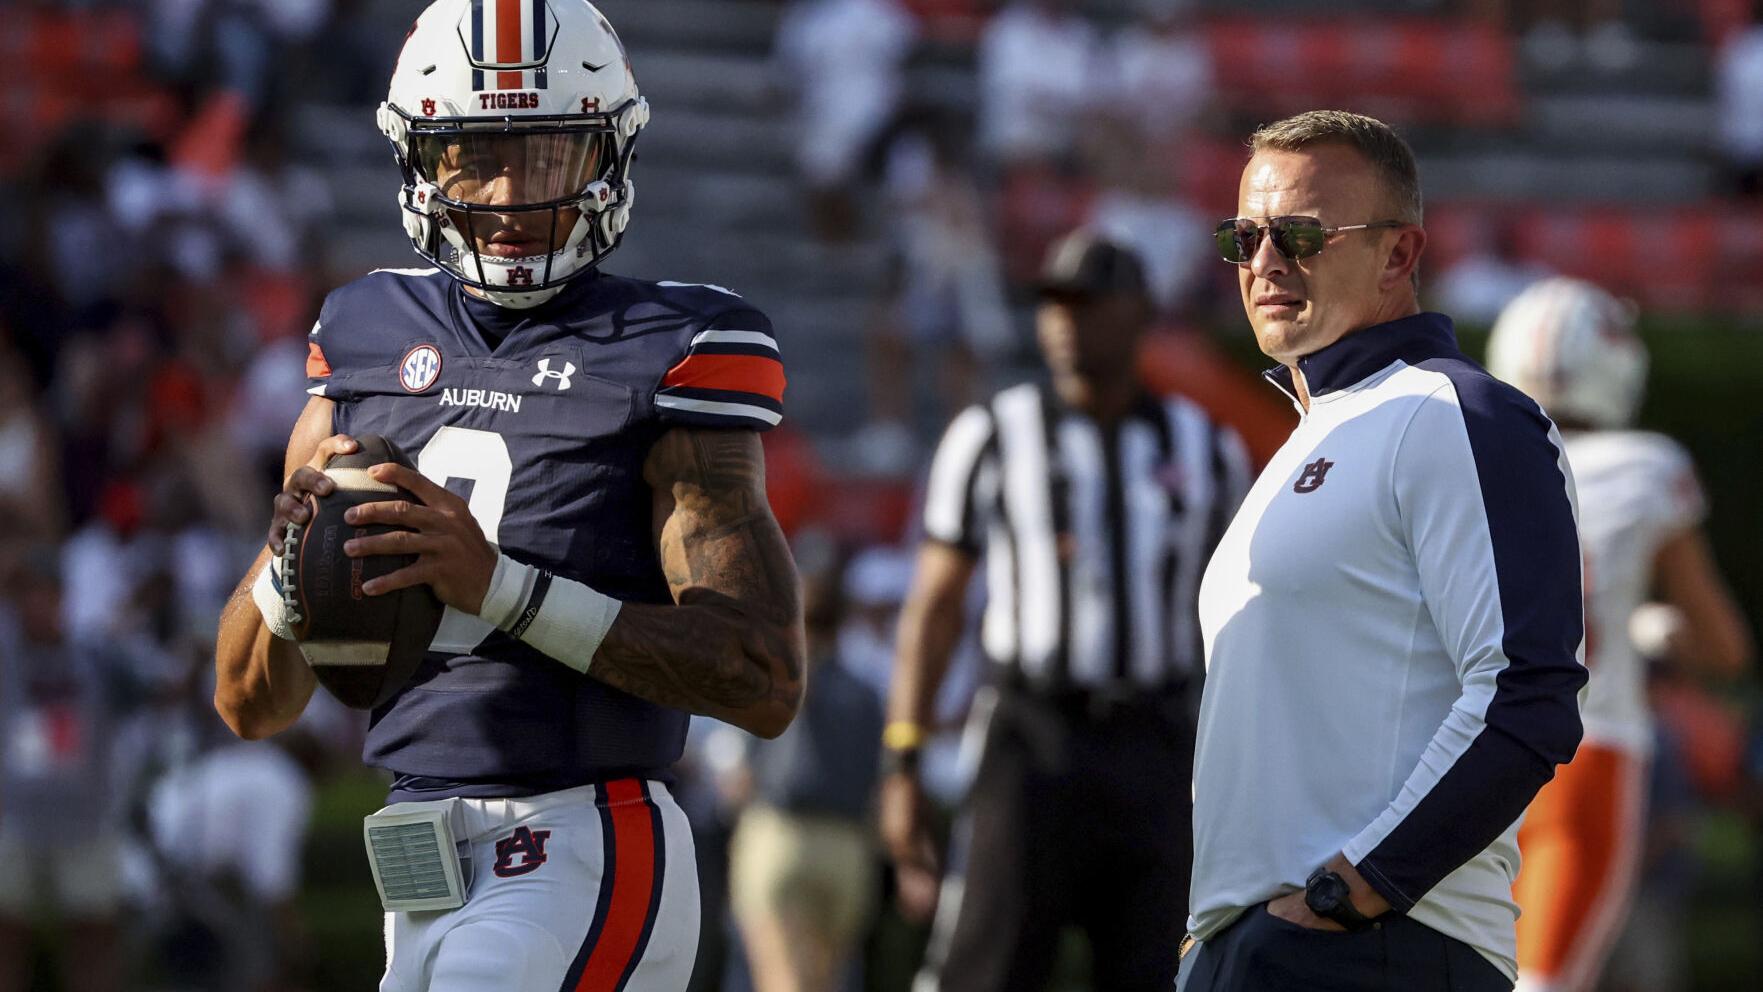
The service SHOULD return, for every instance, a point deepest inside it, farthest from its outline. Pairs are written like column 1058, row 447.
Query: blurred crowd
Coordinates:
column 163, row 261
column 158, row 274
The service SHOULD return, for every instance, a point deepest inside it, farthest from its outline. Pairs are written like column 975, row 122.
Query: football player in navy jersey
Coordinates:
column 592, row 513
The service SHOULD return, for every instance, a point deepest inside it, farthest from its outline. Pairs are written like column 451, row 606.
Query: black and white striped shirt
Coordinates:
column 1094, row 539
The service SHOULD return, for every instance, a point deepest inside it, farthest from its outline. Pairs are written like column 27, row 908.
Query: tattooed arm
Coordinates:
column 732, row 647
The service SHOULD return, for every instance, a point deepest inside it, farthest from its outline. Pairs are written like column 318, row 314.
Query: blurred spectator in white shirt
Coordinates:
column 1161, row 71
column 240, row 811
column 236, row 40
column 224, row 826
column 842, row 59
column 1037, row 75
column 151, row 565
column 60, row 823
column 269, row 204
column 1139, row 205
column 946, row 308
column 1738, row 86
column 1488, row 276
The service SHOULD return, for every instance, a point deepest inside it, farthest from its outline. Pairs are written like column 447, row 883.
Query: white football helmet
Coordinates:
column 1572, row 347
column 513, row 122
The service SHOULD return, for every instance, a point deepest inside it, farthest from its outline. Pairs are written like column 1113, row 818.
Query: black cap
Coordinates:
column 1086, row 264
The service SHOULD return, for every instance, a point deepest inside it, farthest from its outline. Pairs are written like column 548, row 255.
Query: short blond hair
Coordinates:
column 1376, row 141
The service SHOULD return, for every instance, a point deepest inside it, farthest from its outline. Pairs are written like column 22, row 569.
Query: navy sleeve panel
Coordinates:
column 1531, row 723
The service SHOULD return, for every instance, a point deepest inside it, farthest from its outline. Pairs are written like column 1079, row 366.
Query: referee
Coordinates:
column 1095, row 506
column 1393, row 619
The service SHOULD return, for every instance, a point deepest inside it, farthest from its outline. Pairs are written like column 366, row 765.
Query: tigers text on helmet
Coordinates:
column 514, row 122
column 1573, row 348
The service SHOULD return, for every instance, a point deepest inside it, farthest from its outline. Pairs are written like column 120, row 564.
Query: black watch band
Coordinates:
column 903, row 761
column 1328, row 896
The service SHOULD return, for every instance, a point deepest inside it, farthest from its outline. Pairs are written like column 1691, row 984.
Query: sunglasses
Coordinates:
column 1295, row 237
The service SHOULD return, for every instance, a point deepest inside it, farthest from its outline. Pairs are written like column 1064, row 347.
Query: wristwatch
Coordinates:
column 901, row 742
column 1328, row 896
column 901, row 762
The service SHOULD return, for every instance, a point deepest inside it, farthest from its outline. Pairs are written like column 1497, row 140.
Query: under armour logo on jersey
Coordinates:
column 520, row 276
column 545, row 372
column 526, row 844
column 1313, row 475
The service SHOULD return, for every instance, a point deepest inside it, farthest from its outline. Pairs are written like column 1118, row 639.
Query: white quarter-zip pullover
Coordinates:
column 1392, row 628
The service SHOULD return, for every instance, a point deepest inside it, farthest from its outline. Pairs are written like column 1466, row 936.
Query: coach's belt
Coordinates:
column 420, row 857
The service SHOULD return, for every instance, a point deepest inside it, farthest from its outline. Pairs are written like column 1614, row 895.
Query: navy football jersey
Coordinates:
column 541, row 419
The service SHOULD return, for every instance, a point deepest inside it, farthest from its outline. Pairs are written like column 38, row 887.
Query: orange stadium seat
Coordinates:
column 1408, row 70
column 951, row 21
column 55, row 64
column 1038, row 204
column 1706, row 256
column 1210, row 168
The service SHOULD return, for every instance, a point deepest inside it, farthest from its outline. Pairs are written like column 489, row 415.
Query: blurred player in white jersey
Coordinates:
column 1572, row 347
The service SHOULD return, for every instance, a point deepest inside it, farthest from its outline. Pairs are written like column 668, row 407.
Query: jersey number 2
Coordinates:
column 482, row 458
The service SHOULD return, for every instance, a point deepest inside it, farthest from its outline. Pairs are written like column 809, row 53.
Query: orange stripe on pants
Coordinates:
column 633, row 885
column 1580, row 847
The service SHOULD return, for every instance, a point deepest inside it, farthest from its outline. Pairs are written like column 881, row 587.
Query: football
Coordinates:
column 363, row 648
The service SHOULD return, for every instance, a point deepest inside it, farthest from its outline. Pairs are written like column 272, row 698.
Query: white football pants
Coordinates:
column 592, row 889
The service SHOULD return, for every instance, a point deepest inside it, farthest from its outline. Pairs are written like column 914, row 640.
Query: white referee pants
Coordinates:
column 592, row 889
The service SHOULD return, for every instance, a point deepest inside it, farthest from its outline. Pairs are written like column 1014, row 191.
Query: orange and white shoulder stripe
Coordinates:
column 729, row 377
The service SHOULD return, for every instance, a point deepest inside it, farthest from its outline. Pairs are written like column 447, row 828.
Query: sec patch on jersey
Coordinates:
column 362, row 648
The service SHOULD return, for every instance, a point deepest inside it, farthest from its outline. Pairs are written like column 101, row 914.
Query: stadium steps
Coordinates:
column 1674, row 68
column 716, row 81
column 738, row 26
column 719, row 141
column 1669, row 124
column 1550, row 176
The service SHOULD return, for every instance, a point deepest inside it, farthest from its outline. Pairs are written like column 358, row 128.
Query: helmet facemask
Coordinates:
column 516, row 207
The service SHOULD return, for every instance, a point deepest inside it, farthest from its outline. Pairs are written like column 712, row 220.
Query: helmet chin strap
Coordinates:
column 495, row 271
column 515, row 301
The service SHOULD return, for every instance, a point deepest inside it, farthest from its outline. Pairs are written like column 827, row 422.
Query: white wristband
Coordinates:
column 511, row 585
column 277, row 606
column 561, row 617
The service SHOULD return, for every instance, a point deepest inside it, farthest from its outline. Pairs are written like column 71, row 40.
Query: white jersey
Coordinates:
column 1636, row 490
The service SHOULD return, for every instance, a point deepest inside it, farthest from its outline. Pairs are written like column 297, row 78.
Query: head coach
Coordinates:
column 1392, row 623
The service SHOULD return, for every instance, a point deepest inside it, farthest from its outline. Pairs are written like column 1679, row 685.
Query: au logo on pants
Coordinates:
column 526, row 844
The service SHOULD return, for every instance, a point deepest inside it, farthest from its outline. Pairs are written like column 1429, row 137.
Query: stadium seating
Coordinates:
column 1401, row 69
column 1695, row 257
column 58, row 64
